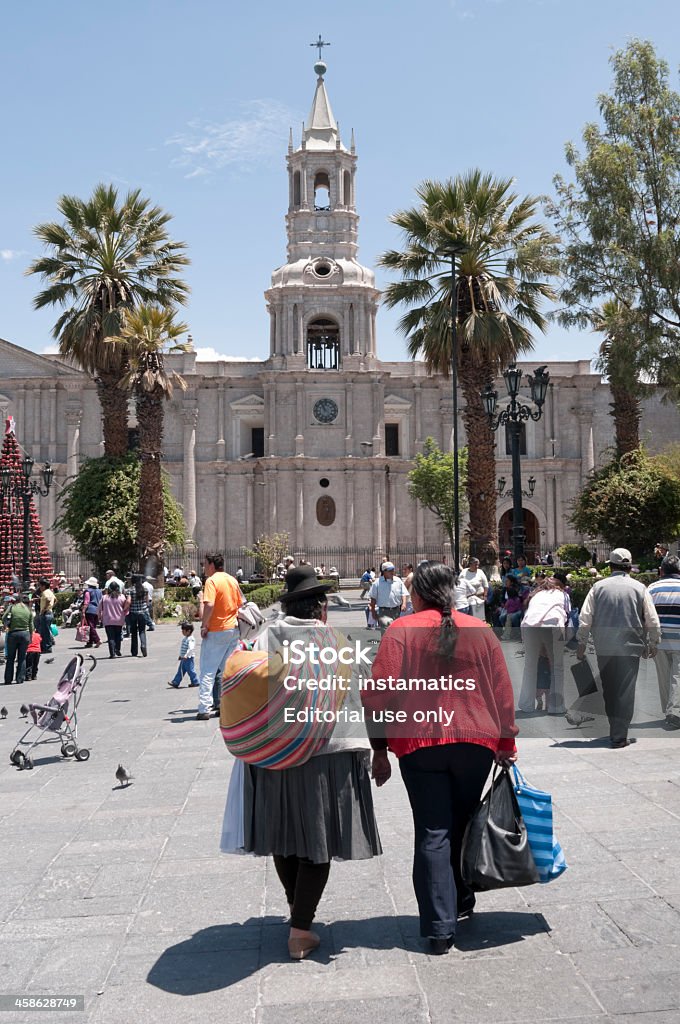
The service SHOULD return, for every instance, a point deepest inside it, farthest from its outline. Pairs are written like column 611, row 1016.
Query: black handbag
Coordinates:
column 584, row 678
column 496, row 851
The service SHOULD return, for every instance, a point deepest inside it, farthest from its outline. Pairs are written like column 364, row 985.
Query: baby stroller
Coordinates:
column 53, row 721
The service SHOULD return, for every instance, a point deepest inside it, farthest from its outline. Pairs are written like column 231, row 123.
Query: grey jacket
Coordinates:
column 621, row 616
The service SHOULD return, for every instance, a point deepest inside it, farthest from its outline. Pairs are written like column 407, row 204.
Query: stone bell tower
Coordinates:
column 322, row 303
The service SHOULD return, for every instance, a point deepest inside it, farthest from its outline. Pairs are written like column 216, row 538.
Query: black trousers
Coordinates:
column 137, row 629
column 444, row 784
column 619, row 676
column 32, row 663
column 304, row 883
column 114, row 635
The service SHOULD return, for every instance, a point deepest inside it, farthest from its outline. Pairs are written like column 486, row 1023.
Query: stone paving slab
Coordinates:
column 123, row 896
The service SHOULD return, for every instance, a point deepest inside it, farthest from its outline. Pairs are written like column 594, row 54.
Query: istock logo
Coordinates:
column 298, row 652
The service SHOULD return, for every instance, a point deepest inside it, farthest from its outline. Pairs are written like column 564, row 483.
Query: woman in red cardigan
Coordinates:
column 441, row 700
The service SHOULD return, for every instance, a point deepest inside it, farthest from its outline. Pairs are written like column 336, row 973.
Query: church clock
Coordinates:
column 325, row 410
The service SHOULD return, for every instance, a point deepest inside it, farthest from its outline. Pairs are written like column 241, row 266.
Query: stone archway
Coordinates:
column 532, row 534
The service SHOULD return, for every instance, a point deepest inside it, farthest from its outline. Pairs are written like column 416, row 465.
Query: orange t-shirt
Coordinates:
column 223, row 592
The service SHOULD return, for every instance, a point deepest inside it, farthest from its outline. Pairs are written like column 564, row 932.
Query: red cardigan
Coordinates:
column 476, row 687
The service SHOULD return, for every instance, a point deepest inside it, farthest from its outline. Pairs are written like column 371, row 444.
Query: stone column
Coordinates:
column 418, row 443
column 378, row 502
column 271, row 490
column 378, row 417
column 299, row 510
column 221, row 510
column 350, row 537
column 349, row 418
column 73, row 417
column 420, row 527
column 21, row 412
column 52, row 450
column 249, row 524
column 190, row 417
column 299, row 419
column 587, row 448
column 27, row 434
column 220, row 445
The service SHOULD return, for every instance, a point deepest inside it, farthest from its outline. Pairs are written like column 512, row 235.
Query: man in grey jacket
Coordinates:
column 621, row 616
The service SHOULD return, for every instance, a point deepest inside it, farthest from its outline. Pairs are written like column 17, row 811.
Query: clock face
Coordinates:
column 325, row 410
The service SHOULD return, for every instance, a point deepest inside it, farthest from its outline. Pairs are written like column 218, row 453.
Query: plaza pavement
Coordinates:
column 121, row 895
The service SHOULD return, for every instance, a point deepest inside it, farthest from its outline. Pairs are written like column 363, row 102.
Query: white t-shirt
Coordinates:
column 388, row 593
column 479, row 582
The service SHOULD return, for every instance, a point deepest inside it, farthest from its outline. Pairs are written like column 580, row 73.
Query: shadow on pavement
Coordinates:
column 221, row 956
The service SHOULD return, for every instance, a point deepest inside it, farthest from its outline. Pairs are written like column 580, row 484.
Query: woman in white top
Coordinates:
column 480, row 584
column 543, row 634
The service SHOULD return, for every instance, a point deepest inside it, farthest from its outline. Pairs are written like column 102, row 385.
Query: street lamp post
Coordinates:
column 23, row 488
column 512, row 416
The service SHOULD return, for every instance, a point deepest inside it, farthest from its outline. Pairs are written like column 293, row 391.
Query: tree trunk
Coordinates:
column 626, row 412
column 481, row 482
column 151, row 522
column 114, row 403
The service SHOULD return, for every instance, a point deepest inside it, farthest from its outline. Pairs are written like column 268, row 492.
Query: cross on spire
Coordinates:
column 320, row 45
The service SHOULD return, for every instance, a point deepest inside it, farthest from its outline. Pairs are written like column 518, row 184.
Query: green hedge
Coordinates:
column 265, row 594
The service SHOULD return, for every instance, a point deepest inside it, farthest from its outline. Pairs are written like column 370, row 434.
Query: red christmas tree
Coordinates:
column 12, row 518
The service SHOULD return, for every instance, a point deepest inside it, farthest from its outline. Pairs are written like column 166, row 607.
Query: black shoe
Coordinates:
column 203, row 716
column 619, row 744
column 672, row 722
column 439, row 947
column 466, row 909
column 144, row 654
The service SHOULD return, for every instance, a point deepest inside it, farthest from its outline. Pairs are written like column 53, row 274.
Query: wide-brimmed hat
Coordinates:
column 92, row 582
column 301, row 581
column 620, row 556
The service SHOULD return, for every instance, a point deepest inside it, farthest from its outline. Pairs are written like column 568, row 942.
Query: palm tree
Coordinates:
column 104, row 258
column 619, row 360
column 145, row 335
column 503, row 258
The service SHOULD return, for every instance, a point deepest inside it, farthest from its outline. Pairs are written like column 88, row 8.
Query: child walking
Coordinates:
column 33, row 656
column 186, row 657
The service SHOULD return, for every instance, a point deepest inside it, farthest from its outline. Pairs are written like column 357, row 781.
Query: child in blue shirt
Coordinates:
column 186, row 657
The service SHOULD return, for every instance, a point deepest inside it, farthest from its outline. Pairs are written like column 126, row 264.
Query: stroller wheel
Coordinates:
column 83, row 754
column 16, row 757
column 68, row 749
column 28, row 764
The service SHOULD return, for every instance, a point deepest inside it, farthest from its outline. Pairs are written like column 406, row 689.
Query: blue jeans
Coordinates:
column 46, row 620
column 215, row 649
column 185, row 666
column 17, row 645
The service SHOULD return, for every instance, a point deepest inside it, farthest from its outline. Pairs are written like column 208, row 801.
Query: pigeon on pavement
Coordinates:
column 3, row 712
column 48, row 661
column 339, row 599
column 23, row 710
column 123, row 775
column 578, row 719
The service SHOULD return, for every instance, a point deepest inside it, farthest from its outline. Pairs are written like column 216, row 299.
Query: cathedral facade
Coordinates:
column 318, row 439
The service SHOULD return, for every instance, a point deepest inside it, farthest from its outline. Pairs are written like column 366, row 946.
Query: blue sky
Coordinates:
column 192, row 102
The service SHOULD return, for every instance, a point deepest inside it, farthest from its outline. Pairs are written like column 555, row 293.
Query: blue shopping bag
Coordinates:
column 536, row 808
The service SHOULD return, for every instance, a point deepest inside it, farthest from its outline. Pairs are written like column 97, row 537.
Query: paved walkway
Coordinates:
column 122, row 896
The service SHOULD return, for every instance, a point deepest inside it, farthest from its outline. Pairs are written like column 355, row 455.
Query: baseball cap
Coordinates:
column 388, row 567
column 620, row 556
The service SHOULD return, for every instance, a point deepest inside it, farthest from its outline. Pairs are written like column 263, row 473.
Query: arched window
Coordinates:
column 296, row 189
column 347, row 188
column 323, row 345
column 322, row 191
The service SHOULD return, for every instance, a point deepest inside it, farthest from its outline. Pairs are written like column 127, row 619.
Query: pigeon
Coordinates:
column 123, row 775
column 3, row 712
column 23, row 710
column 578, row 719
column 48, row 661
column 339, row 599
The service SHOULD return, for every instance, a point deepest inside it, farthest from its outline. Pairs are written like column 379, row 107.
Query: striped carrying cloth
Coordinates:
column 269, row 709
column 536, row 808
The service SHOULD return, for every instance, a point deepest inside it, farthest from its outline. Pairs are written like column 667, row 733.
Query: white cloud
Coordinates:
column 211, row 355
column 11, row 254
column 245, row 140
column 50, row 350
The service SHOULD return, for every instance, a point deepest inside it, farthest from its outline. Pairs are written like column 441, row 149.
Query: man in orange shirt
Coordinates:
column 222, row 599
